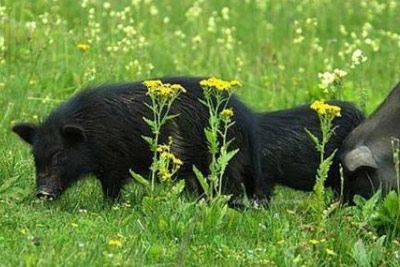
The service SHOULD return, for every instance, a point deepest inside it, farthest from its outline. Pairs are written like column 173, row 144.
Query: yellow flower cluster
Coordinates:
column 166, row 171
column 158, row 88
column 330, row 252
column 226, row 113
column 219, row 84
column 165, row 153
column 163, row 148
column 83, row 47
column 164, row 174
column 115, row 243
column 325, row 109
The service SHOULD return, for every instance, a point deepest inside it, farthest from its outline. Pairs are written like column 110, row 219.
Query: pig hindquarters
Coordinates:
column 287, row 154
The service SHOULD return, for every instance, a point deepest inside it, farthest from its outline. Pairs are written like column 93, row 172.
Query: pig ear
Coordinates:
column 73, row 133
column 359, row 157
column 26, row 131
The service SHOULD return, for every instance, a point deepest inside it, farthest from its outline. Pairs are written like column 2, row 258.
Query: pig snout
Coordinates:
column 48, row 188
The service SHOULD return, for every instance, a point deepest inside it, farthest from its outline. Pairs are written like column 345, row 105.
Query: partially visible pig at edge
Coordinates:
column 367, row 152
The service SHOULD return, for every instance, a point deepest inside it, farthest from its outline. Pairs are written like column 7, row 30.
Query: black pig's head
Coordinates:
column 367, row 153
column 60, row 154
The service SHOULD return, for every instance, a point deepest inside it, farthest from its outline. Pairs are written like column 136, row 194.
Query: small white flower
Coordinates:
column 340, row 73
column 106, row 5
column 153, row 10
column 225, row 13
column 330, row 80
column 211, row 25
column 31, row 26
column 194, row 11
column 358, row 57
column 326, row 79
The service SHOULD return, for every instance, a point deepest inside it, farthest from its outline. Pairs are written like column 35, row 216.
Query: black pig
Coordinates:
column 289, row 157
column 367, row 154
column 100, row 131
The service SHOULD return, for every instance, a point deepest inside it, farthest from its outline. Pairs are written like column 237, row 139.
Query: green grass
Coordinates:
column 44, row 66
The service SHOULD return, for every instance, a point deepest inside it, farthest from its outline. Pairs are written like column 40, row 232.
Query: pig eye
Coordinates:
column 56, row 158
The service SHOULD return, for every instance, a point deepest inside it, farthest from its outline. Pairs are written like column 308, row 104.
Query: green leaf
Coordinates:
column 8, row 183
column 388, row 215
column 203, row 102
column 313, row 138
column 225, row 157
column 148, row 140
column 392, row 204
column 149, row 106
column 231, row 154
column 178, row 187
column 212, row 140
column 368, row 209
column 360, row 254
column 149, row 122
column 202, row 180
column 171, row 117
column 140, row 179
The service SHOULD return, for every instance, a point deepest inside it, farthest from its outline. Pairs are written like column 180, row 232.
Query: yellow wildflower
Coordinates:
column 152, row 83
column 23, row 231
column 178, row 88
column 177, row 161
column 330, row 252
column 165, row 169
column 174, row 159
column 314, row 242
column 226, row 114
column 163, row 148
column 115, row 243
column 235, row 83
column 168, row 155
column 165, row 175
column 160, row 89
column 219, row 84
column 165, row 153
column 83, row 47
column 32, row 81
column 325, row 109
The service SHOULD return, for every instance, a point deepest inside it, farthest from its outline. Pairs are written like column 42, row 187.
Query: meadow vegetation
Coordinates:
column 283, row 52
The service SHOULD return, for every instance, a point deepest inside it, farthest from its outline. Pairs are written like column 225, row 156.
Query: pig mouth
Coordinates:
column 46, row 194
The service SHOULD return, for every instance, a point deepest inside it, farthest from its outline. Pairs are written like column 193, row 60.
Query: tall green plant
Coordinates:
column 164, row 164
column 217, row 94
column 326, row 114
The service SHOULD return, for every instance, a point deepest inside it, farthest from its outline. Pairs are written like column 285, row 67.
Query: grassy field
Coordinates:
column 49, row 49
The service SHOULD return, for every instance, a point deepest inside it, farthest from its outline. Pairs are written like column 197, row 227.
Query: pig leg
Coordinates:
column 263, row 184
column 111, row 185
column 263, row 190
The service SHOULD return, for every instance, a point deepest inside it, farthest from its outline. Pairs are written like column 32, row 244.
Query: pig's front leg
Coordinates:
column 111, row 184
